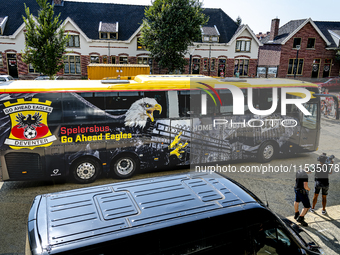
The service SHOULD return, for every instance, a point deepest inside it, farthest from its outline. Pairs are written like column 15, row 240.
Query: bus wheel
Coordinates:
column 266, row 152
column 85, row 170
column 124, row 166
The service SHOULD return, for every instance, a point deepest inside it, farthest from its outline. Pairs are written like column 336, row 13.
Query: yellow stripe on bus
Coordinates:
column 146, row 82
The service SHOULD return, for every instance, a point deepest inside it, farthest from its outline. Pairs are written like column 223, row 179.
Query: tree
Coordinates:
column 239, row 21
column 169, row 27
column 45, row 40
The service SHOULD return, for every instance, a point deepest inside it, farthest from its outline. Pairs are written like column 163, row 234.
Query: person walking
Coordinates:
column 321, row 183
column 301, row 195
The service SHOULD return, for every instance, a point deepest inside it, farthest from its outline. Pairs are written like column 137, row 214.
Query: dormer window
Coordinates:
column 108, row 31
column 210, row 34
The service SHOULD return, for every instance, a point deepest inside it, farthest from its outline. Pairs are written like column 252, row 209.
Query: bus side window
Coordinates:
column 227, row 101
column 55, row 117
column 190, row 104
column 184, row 103
column 118, row 103
column 77, row 108
column 263, row 99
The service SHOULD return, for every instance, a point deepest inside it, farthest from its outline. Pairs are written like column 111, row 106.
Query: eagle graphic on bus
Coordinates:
column 140, row 111
column 31, row 126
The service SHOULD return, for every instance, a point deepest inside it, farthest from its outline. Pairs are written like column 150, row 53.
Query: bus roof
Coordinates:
column 145, row 83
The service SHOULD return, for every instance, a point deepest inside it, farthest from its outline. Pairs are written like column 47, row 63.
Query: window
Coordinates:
column 31, row 68
column 211, row 38
column 108, row 35
column 55, row 98
column 139, row 45
column 263, row 100
column 196, row 66
column 243, row 46
column 123, row 60
column 311, row 43
column 295, row 65
column 310, row 121
column 73, row 41
column 221, row 67
column 94, row 59
column 241, row 66
column 296, row 42
column 271, row 239
column 104, row 59
column 189, row 103
column 113, row 59
column 118, row 103
column 143, row 61
column 1, row 60
column 78, row 110
column 146, row 61
column 212, row 64
column 72, row 65
column 205, row 64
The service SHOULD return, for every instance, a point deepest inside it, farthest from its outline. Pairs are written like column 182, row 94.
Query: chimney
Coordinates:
column 274, row 29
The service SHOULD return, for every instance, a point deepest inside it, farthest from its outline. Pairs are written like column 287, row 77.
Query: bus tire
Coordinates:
column 266, row 152
column 85, row 170
column 124, row 166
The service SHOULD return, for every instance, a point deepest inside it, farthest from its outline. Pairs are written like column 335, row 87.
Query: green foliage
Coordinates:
column 169, row 27
column 45, row 41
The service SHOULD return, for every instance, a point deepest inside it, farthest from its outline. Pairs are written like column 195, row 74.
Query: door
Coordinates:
column 327, row 68
column 315, row 68
column 221, row 67
column 196, row 66
column 12, row 65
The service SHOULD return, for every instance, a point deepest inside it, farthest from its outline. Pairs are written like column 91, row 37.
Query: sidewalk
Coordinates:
column 324, row 229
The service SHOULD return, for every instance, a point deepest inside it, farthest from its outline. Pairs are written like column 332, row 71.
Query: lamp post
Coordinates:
column 298, row 47
column 191, row 50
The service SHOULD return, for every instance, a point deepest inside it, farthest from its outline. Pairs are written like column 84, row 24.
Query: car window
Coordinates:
column 271, row 239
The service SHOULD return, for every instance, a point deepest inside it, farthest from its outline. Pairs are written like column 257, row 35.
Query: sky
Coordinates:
column 257, row 14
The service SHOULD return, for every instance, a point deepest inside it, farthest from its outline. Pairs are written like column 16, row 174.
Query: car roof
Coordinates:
column 90, row 215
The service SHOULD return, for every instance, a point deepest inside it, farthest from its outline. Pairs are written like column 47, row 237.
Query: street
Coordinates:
column 276, row 188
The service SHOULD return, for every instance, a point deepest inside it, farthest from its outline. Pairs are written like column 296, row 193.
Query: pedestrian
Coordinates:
column 322, row 171
column 301, row 195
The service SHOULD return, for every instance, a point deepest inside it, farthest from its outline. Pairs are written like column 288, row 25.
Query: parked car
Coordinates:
column 4, row 78
column 193, row 213
column 331, row 84
column 45, row 77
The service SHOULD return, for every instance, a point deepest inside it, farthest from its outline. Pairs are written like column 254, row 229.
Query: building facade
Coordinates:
column 108, row 33
column 304, row 49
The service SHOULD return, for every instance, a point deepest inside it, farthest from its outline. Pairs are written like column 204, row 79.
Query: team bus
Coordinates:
column 84, row 128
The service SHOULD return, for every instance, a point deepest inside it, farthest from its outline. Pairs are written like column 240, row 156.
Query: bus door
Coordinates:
column 310, row 128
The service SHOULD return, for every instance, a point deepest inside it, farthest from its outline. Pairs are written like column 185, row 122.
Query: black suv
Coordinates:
column 194, row 213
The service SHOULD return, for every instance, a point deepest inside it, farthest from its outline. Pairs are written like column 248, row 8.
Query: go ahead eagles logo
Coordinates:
column 29, row 124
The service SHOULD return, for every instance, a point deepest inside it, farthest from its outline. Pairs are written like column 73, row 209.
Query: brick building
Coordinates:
column 301, row 48
column 108, row 33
